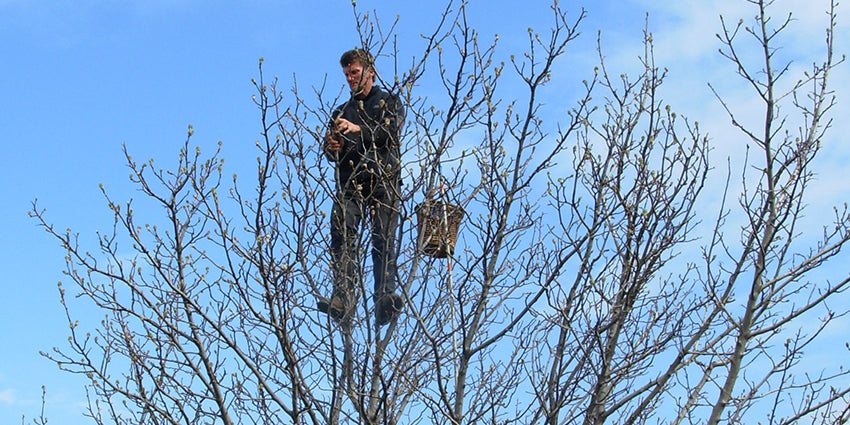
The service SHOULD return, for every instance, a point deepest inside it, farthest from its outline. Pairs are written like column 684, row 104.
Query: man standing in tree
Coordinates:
column 364, row 142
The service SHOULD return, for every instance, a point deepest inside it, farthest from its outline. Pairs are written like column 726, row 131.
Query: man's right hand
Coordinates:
column 333, row 143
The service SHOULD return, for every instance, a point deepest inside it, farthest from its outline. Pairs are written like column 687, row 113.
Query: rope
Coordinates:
column 449, row 279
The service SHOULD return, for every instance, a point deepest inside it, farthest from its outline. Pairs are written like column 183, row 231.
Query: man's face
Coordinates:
column 359, row 80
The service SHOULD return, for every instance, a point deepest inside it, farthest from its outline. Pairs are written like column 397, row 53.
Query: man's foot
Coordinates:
column 335, row 307
column 388, row 308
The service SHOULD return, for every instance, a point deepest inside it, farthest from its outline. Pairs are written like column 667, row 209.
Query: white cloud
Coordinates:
column 8, row 396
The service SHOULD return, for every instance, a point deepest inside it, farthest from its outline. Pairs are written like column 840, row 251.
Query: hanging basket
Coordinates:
column 438, row 224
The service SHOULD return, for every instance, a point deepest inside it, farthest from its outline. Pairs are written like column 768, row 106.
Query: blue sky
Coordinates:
column 80, row 78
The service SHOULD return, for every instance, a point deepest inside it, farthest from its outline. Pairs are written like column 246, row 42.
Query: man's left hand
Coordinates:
column 345, row 126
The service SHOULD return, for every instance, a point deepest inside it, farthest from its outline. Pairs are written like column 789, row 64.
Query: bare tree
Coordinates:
column 566, row 299
column 767, row 261
column 628, row 206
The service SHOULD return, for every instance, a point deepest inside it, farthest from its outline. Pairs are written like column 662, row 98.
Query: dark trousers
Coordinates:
column 377, row 199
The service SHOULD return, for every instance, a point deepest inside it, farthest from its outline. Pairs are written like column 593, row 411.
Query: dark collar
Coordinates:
column 375, row 90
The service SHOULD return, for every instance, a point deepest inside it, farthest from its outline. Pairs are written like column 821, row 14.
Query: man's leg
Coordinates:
column 345, row 265
column 385, row 221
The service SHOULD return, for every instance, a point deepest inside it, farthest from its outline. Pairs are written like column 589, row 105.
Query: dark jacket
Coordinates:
column 380, row 116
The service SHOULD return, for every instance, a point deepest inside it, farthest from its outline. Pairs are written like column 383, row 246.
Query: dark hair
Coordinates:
column 357, row 55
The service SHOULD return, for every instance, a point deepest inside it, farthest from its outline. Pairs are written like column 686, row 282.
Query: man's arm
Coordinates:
column 388, row 123
column 382, row 127
column 333, row 142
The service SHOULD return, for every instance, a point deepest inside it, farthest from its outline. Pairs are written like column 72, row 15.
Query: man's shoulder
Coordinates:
column 385, row 99
column 382, row 93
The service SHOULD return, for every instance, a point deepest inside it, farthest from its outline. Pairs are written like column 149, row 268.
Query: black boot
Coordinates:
column 388, row 308
column 335, row 307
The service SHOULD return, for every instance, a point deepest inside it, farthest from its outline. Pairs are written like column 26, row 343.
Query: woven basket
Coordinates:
column 438, row 224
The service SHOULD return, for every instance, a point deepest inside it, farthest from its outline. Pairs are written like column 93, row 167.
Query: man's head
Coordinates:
column 359, row 69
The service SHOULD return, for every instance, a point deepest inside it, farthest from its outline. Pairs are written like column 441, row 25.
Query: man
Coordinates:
column 363, row 142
